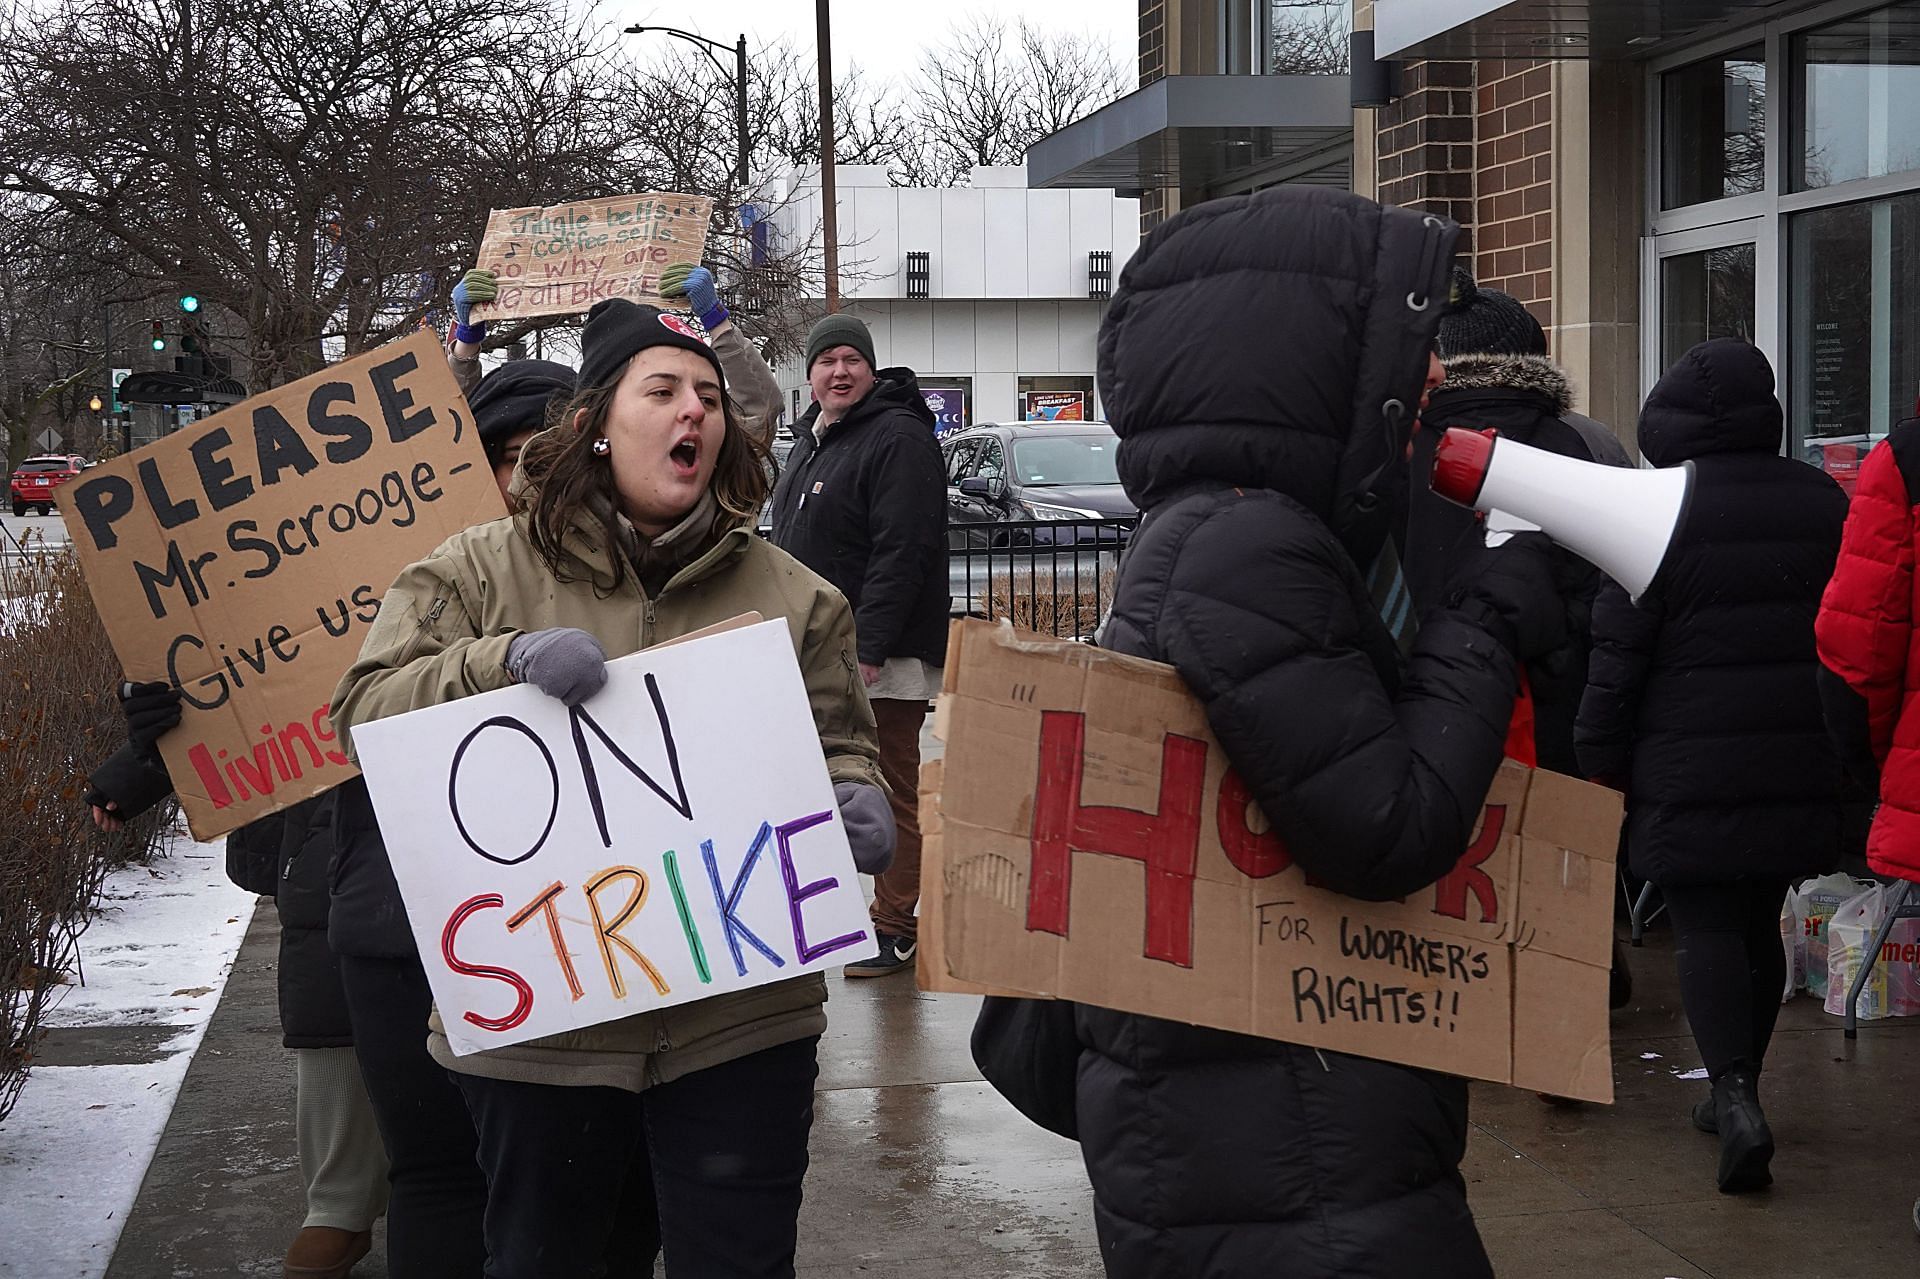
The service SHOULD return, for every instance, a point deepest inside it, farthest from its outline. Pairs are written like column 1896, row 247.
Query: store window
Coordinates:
column 1709, row 294
column 1859, row 95
column 950, row 400
column 1714, row 129
column 1856, row 326
column 1056, row 399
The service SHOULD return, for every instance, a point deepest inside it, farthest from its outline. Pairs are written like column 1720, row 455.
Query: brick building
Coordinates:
column 1642, row 175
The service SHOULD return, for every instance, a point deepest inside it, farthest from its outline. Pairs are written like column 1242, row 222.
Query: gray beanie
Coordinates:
column 839, row 329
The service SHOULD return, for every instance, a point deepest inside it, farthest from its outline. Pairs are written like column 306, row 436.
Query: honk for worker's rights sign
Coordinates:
column 243, row 559
column 671, row 838
column 561, row 260
column 1088, row 840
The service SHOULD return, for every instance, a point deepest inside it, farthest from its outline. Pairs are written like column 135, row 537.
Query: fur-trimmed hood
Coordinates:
column 1537, row 373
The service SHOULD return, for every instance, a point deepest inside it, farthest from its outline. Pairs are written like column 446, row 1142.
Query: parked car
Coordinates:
column 1036, row 520
column 37, row 477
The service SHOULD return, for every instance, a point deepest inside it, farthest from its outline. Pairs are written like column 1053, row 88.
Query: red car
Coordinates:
column 37, row 477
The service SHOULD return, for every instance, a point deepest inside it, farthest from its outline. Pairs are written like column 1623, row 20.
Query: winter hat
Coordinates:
column 514, row 398
column 839, row 329
column 1481, row 321
column 617, row 330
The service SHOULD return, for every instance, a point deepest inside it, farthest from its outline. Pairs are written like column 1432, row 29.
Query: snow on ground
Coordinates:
column 77, row 1144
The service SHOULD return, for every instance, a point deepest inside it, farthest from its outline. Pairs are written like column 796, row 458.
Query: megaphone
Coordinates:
column 1619, row 519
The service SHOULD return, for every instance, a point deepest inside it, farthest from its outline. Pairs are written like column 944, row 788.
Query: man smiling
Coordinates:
column 863, row 503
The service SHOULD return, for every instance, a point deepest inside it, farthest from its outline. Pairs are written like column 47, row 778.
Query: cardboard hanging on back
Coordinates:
column 1090, row 842
column 243, row 559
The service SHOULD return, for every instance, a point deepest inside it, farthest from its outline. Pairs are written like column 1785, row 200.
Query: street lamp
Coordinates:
column 96, row 404
column 739, row 51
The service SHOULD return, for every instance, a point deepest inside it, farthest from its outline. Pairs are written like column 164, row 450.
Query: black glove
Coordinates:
column 1510, row 589
column 151, row 709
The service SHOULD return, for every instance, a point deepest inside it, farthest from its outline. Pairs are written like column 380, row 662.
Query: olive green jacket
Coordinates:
column 442, row 633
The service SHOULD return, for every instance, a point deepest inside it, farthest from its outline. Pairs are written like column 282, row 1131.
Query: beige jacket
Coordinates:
column 751, row 386
column 442, row 633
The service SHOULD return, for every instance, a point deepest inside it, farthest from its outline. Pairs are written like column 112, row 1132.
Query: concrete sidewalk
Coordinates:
column 920, row 1170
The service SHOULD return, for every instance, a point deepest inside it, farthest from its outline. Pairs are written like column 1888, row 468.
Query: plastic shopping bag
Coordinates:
column 1819, row 898
column 1793, row 941
column 1893, row 981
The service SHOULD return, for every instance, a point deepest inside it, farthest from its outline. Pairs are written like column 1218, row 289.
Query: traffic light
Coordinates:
column 159, row 336
column 189, row 303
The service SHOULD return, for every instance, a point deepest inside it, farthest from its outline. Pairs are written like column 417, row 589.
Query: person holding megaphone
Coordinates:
column 1703, row 705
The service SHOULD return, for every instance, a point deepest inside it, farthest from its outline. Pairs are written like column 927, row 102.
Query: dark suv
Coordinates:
column 1039, row 471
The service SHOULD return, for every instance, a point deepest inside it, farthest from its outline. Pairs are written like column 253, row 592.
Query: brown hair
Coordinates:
column 570, row 485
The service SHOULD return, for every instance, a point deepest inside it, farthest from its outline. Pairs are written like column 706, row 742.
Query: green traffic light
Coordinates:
column 189, row 303
column 159, row 344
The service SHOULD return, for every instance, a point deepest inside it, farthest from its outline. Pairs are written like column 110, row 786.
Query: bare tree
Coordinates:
column 1310, row 38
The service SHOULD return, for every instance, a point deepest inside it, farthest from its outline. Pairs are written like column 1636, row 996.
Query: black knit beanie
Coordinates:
column 1486, row 322
column 839, row 329
column 515, row 397
column 618, row 329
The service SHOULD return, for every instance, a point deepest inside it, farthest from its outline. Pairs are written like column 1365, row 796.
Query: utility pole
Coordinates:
column 740, row 106
column 829, row 210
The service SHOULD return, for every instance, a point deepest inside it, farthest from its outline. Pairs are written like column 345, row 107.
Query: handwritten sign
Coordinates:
column 562, row 260
column 243, row 559
column 1089, row 841
column 673, row 837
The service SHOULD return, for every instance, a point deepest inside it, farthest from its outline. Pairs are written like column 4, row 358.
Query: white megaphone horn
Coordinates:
column 1619, row 519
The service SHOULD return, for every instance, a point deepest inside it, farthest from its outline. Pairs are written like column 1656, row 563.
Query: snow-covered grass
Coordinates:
column 75, row 1147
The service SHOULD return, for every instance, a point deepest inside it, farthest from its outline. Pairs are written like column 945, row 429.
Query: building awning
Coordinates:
column 1474, row 29
column 1205, row 131
column 180, row 388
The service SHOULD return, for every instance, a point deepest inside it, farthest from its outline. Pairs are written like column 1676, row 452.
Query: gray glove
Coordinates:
column 562, row 661
column 868, row 817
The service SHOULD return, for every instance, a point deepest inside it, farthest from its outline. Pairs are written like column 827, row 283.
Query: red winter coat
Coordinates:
column 1867, row 636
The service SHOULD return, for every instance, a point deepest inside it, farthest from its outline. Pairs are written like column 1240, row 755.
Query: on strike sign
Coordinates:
column 243, row 559
column 673, row 837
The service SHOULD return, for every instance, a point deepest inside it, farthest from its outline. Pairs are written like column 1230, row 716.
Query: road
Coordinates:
column 16, row 528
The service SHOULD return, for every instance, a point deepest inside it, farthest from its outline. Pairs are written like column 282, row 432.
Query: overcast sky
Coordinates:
column 883, row 37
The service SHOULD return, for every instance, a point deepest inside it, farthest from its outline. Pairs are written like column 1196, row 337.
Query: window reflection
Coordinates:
column 1705, row 295
column 1714, row 129
column 1860, row 94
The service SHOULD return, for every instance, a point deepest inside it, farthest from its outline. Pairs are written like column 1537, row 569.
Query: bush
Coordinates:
column 1049, row 607
column 58, row 718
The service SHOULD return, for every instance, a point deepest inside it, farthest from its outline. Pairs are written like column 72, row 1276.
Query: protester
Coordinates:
column 283, row 855
column 752, row 385
column 1869, row 649
column 1258, row 434
column 1702, row 704
column 862, row 501
column 634, row 527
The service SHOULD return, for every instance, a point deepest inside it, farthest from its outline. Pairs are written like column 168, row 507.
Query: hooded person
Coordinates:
column 1263, row 362
column 1703, row 704
column 634, row 527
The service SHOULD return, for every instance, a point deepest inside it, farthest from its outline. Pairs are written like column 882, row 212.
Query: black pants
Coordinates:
column 1732, row 968
column 438, row 1195
column 727, row 1147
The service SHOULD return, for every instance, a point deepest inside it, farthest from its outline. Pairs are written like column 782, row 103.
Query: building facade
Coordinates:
column 1642, row 175
column 992, row 293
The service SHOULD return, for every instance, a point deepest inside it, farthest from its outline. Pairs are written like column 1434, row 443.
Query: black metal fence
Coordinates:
column 1051, row 576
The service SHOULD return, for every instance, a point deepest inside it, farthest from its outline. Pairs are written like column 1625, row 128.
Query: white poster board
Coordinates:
column 672, row 838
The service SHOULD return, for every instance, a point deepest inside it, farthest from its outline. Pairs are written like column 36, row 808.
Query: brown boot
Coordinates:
column 324, row 1252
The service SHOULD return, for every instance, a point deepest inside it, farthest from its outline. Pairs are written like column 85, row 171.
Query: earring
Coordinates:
column 601, row 447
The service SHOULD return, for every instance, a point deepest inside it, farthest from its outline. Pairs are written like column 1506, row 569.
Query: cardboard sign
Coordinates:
column 562, row 260
column 673, row 837
column 1090, row 842
column 243, row 559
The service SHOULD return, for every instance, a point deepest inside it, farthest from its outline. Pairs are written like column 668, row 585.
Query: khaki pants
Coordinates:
column 897, row 892
column 341, row 1158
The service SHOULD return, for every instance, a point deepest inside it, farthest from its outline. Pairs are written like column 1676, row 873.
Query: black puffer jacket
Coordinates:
column 1705, row 696
column 313, row 1007
column 1525, row 398
column 369, row 919
column 866, row 508
column 1261, row 364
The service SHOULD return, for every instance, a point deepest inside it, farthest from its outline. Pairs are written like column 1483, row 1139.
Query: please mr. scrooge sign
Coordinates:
column 243, row 559
column 672, row 838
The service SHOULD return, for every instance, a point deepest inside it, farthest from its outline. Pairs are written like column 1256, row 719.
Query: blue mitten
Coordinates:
column 475, row 286
column 695, row 284
column 562, row 661
column 868, row 817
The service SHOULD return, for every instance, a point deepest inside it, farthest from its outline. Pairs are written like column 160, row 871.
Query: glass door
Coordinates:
column 1707, row 283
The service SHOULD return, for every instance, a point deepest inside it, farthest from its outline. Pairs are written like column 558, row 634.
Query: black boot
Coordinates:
column 1703, row 1115
column 1746, row 1143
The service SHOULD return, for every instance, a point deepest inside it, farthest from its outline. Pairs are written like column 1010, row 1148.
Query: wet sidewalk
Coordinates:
column 921, row 1171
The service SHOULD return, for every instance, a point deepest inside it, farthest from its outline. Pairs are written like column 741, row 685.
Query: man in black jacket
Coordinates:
column 1263, row 364
column 863, row 503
